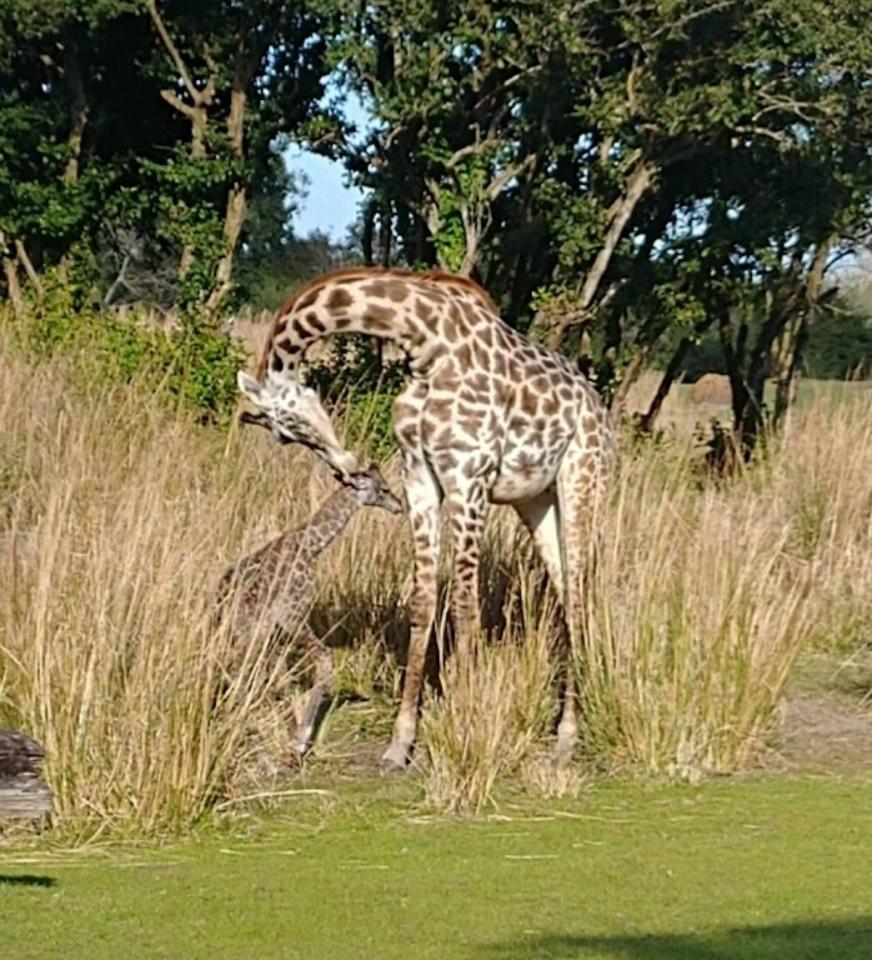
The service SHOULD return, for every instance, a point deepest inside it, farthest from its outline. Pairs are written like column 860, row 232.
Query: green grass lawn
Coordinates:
column 768, row 868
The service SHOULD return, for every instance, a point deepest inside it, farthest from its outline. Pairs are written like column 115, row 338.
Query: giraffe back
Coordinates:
column 268, row 588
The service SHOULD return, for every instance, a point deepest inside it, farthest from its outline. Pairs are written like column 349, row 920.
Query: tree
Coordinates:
column 637, row 171
column 446, row 83
column 137, row 128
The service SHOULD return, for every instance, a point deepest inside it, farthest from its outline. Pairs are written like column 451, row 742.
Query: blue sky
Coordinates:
column 330, row 204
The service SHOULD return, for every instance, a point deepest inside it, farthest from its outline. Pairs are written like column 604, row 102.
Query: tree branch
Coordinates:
column 637, row 186
column 172, row 49
column 512, row 171
column 179, row 104
column 29, row 269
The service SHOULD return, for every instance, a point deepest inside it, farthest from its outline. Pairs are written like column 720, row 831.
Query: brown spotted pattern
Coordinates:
column 271, row 591
column 487, row 417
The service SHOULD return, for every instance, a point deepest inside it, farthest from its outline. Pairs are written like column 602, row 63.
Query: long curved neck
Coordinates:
column 328, row 521
column 422, row 317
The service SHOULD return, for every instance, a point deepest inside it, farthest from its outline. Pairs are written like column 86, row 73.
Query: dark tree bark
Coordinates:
column 22, row 793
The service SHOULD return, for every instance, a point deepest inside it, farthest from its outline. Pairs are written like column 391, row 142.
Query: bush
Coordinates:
column 361, row 391
column 190, row 363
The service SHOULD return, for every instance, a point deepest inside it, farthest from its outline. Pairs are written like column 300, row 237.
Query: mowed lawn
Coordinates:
column 764, row 868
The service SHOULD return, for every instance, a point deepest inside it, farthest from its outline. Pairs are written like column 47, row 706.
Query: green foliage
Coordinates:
column 191, row 364
column 362, row 391
column 100, row 149
column 201, row 368
column 840, row 346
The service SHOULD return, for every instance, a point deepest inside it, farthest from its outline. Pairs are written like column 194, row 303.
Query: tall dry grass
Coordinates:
column 696, row 613
column 703, row 595
column 494, row 709
column 117, row 518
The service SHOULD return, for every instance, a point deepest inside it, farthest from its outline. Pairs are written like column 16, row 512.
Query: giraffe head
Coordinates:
column 371, row 488
column 293, row 413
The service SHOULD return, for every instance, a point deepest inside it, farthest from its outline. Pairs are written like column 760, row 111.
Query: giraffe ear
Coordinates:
column 249, row 386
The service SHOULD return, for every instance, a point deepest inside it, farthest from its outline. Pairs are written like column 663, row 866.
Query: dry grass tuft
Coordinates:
column 117, row 519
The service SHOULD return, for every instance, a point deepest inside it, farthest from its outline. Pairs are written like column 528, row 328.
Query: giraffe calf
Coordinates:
column 270, row 592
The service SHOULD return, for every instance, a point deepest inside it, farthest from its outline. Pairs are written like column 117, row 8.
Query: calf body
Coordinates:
column 271, row 591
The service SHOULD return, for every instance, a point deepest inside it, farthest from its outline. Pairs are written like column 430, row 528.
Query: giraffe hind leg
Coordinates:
column 467, row 508
column 580, row 491
column 542, row 517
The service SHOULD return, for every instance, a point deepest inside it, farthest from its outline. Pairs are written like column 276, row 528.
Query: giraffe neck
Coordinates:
column 425, row 315
column 328, row 521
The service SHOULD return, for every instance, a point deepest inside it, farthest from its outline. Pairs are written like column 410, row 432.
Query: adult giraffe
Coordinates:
column 486, row 416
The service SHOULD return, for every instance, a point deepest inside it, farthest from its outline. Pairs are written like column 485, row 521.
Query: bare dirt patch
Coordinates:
column 822, row 735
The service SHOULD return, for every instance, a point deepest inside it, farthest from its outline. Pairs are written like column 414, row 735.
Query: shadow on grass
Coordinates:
column 26, row 880
column 843, row 940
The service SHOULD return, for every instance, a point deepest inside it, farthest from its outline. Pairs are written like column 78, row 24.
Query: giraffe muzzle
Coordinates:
column 255, row 419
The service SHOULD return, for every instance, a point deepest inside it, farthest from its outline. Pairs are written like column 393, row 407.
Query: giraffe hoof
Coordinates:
column 300, row 748
column 395, row 758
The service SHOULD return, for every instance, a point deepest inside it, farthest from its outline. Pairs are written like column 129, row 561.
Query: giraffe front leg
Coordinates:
column 305, row 729
column 424, row 499
column 467, row 508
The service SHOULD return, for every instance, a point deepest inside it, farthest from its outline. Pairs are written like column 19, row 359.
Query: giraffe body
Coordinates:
column 271, row 591
column 486, row 417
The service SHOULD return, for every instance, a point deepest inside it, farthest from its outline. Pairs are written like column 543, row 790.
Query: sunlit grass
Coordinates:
column 117, row 518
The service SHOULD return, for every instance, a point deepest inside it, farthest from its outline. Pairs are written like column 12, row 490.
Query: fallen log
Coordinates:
column 22, row 793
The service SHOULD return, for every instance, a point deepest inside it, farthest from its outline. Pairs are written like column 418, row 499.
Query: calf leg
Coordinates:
column 323, row 680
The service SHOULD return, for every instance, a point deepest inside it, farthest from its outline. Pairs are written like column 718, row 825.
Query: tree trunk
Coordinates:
column 384, row 234
column 78, row 108
column 470, row 254
column 631, row 375
column 751, row 416
column 670, row 375
column 367, row 235
column 237, row 198
column 199, row 119
column 234, row 220
column 13, row 288
column 22, row 257
column 797, row 337
column 197, row 111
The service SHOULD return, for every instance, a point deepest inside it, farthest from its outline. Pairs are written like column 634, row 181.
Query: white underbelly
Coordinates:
column 511, row 487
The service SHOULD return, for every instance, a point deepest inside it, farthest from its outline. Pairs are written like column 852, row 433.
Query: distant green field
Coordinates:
column 808, row 392
column 826, row 391
column 759, row 869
